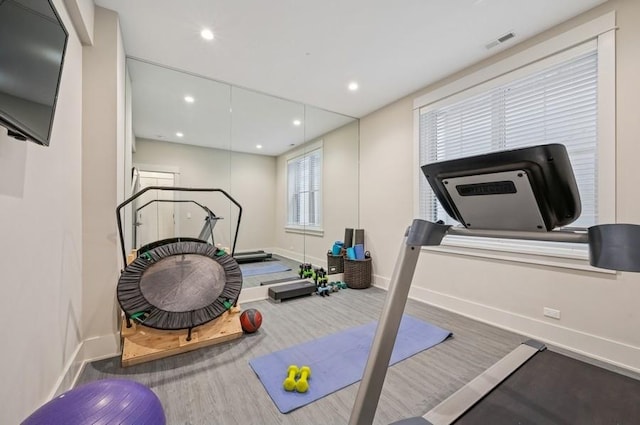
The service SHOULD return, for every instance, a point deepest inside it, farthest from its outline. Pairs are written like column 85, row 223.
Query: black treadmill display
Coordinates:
column 490, row 188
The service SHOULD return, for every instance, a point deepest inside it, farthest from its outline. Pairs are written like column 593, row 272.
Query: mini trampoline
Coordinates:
column 177, row 283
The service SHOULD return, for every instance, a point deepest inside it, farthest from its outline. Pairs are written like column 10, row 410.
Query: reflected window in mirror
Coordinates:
column 304, row 190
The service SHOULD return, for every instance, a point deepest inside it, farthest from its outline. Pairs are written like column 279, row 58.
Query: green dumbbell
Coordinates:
column 289, row 383
column 302, row 385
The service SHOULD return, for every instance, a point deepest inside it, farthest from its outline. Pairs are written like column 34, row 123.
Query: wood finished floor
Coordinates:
column 253, row 281
column 216, row 385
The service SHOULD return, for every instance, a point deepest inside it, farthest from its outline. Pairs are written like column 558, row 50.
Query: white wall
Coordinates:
column 261, row 190
column 41, row 261
column 248, row 178
column 82, row 14
column 599, row 311
column 339, row 197
column 253, row 186
column 128, row 161
column 58, row 203
column 102, row 180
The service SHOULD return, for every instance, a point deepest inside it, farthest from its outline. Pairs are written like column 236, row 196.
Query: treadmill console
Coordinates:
column 528, row 189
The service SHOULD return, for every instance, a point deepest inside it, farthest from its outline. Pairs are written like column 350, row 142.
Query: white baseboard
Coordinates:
column 255, row 293
column 380, row 281
column 90, row 350
column 302, row 258
column 294, row 255
column 68, row 375
column 592, row 346
column 322, row 262
column 101, row 347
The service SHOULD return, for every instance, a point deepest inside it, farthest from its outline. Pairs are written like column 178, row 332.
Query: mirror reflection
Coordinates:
column 292, row 168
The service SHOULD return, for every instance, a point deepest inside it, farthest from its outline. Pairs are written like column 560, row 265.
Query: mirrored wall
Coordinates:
column 291, row 171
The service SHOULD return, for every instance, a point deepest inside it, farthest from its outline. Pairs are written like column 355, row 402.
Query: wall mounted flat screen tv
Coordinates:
column 33, row 41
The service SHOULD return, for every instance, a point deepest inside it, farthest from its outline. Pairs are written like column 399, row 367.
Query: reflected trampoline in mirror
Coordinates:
column 190, row 131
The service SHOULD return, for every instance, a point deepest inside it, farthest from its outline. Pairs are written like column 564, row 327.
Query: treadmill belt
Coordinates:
column 552, row 389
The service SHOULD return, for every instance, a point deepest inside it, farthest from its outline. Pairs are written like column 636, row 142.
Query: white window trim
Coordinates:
column 601, row 31
column 158, row 168
column 303, row 150
column 304, row 230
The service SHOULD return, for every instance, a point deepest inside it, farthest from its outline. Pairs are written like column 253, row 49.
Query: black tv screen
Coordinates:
column 32, row 46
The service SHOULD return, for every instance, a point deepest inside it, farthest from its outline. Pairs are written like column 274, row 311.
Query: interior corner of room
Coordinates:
column 301, row 172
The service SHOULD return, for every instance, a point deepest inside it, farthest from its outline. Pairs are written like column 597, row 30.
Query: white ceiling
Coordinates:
column 308, row 50
column 222, row 116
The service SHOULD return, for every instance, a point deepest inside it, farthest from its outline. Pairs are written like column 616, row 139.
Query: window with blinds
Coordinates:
column 553, row 105
column 304, row 194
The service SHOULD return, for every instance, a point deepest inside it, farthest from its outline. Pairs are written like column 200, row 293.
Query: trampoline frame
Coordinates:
column 204, row 208
column 132, row 299
column 174, row 189
column 155, row 251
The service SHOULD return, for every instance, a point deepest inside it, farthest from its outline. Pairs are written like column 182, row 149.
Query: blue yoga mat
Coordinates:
column 263, row 268
column 338, row 360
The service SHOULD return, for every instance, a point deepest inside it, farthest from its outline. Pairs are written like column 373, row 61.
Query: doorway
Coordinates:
column 154, row 220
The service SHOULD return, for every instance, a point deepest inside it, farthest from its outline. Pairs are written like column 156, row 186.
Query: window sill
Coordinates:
column 575, row 259
column 302, row 230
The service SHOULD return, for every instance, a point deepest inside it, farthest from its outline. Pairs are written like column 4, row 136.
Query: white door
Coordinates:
column 155, row 220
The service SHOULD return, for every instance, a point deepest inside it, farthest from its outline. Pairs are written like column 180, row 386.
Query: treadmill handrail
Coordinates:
column 173, row 189
column 420, row 233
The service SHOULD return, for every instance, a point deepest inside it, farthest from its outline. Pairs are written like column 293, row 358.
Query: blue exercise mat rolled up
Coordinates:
column 338, row 360
column 348, row 237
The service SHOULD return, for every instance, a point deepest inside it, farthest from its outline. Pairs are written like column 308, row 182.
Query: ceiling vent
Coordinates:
column 502, row 39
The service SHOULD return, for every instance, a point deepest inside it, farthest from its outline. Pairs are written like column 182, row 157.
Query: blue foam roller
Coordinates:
column 359, row 251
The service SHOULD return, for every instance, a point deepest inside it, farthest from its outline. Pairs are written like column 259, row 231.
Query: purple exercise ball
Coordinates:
column 108, row 401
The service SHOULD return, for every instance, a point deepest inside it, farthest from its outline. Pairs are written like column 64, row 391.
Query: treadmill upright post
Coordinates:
column 420, row 233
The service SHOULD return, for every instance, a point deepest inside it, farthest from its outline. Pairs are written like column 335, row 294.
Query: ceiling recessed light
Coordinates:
column 189, row 99
column 207, row 34
column 259, row 146
column 179, row 134
column 353, row 86
column 297, row 122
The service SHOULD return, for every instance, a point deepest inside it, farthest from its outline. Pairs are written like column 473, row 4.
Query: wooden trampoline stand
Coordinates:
column 141, row 344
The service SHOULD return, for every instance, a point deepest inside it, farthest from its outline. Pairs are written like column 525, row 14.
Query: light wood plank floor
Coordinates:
column 216, row 385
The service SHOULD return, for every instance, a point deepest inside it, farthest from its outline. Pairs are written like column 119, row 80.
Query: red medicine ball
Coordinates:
column 250, row 320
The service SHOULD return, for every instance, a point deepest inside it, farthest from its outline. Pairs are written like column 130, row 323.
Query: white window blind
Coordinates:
column 304, row 181
column 554, row 105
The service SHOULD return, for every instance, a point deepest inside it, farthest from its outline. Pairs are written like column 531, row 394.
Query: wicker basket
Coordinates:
column 335, row 263
column 357, row 273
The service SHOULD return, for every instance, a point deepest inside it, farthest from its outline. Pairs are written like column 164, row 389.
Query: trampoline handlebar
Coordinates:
column 174, row 189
